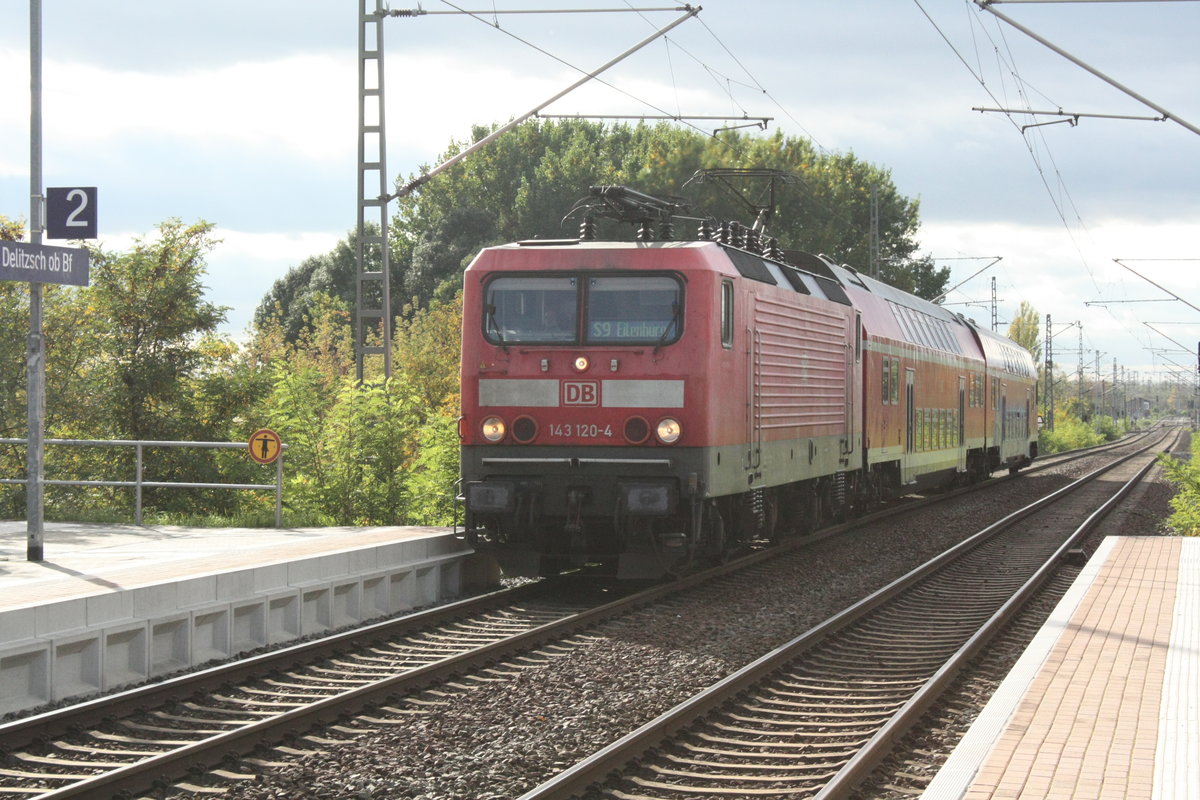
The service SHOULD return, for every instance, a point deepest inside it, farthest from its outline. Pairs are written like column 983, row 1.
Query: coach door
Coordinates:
column 1005, row 448
column 908, row 463
column 1028, row 413
column 848, row 421
column 962, row 423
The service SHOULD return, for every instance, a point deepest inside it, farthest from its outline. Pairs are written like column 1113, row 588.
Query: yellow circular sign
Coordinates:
column 264, row 445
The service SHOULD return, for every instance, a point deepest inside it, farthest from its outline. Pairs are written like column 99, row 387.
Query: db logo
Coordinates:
column 580, row 393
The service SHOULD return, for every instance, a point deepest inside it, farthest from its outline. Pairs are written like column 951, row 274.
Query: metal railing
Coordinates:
column 138, row 483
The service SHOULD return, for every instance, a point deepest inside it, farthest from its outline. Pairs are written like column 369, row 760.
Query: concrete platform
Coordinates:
column 1105, row 702
column 116, row 604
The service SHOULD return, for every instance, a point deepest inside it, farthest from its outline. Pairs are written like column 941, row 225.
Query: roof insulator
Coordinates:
column 587, row 229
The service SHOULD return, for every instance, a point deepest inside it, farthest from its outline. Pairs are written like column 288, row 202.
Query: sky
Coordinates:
column 244, row 114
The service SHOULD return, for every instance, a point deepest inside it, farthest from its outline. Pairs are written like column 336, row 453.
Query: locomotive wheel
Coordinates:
column 713, row 534
column 770, row 516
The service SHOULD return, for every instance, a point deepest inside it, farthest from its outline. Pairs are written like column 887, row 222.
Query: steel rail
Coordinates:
column 863, row 762
column 634, row 745
column 20, row 732
column 179, row 763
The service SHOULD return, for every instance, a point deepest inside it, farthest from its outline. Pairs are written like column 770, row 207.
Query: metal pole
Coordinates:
column 35, row 353
column 995, row 324
column 373, row 285
column 1115, row 415
column 137, row 510
column 1049, row 376
column 279, row 489
column 1079, row 376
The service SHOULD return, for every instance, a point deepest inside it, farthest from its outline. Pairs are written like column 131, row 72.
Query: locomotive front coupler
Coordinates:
column 576, row 498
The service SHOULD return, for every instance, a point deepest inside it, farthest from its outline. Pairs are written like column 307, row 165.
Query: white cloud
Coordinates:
column 244, row 266
column 304, row 104
column 1073, row 277
column 453, row 95
column 273, row 246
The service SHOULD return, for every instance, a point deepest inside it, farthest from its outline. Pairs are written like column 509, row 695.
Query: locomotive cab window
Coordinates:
column 633, row 309
column 531, row 309
column 858, row 334
column 727, row 314
column 624, row 309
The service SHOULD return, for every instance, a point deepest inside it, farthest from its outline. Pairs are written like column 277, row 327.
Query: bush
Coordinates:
column 1185, row 474
column 1070, row 433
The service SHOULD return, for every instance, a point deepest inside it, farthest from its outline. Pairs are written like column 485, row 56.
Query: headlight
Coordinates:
column 493, row 429
column 581, row 363
column 668, row 431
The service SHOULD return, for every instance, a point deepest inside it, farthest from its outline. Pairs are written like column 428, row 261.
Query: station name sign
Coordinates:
column 43, row 263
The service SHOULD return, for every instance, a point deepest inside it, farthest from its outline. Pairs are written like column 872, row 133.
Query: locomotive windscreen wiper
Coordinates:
column 673, row 323
column 491, row 324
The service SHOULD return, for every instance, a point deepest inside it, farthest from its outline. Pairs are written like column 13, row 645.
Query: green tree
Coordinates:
column 1025, row 329
column 11, row 230
column 153, row 346
column 294, row 297
column 433, row 472
column 426, row 349
column 151, row 312
column 523, row 185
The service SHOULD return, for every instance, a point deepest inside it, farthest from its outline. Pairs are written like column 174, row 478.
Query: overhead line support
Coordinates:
column 1155, row 285
column 420, row 12
column 417, row 182
column 986, row 5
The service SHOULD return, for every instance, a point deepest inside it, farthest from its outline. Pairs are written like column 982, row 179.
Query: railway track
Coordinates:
column 815, row 716
column 155, row 737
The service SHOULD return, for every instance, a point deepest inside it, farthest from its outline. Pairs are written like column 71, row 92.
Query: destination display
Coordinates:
column 43, row 263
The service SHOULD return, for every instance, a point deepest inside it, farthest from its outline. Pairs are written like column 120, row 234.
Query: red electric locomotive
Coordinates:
column 652, row 404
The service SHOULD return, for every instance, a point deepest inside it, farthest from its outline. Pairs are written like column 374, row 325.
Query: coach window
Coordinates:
column 886, row 392
column 895, row 381
column 727, row 314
